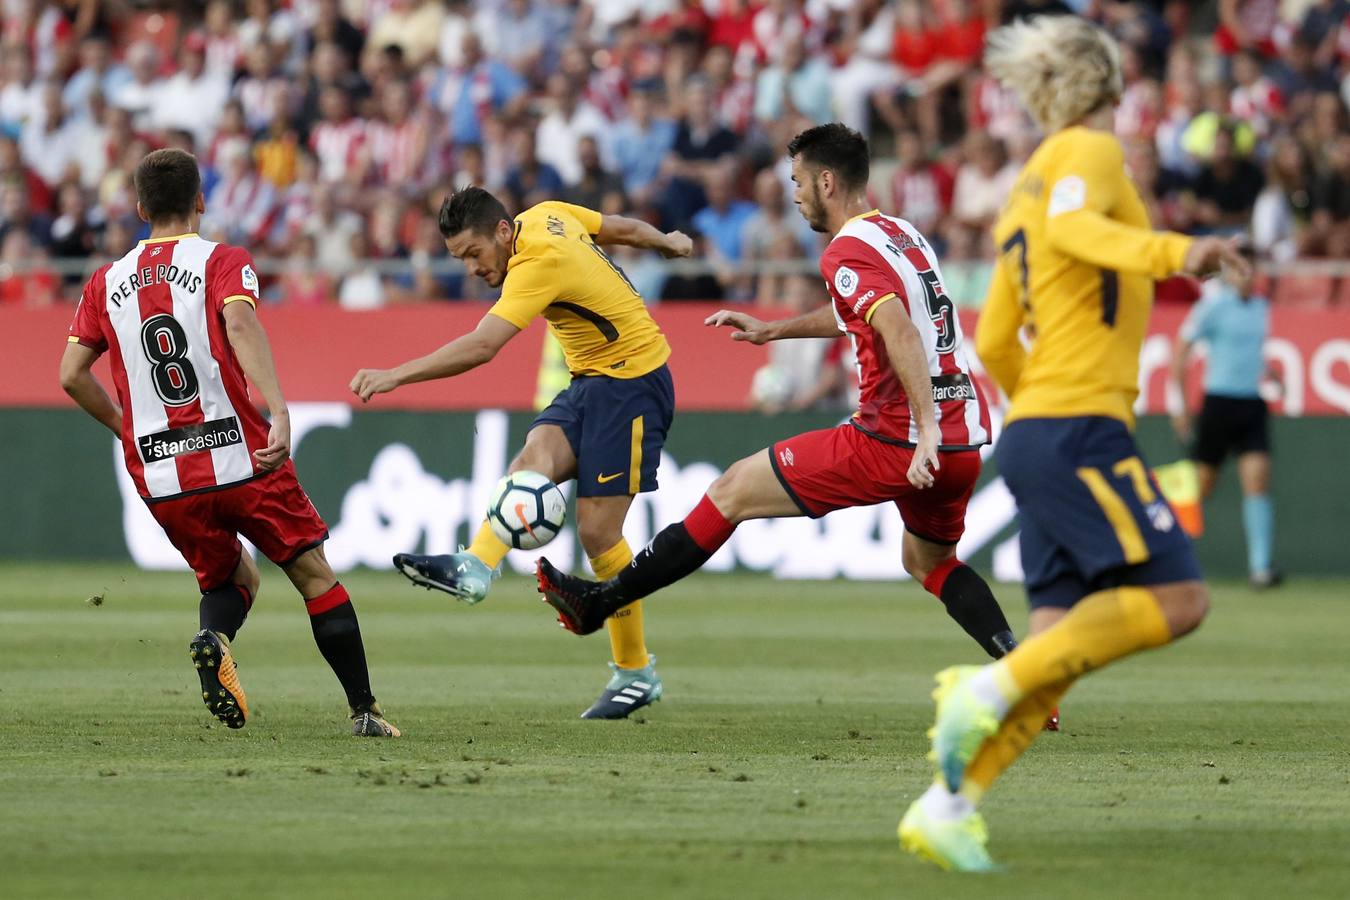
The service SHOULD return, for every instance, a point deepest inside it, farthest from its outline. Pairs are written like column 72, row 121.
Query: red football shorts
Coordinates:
column 272, row 511
column 836, row 468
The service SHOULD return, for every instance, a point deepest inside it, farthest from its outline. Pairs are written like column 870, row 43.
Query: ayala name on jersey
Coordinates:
column 872, row 259
column 187, row 422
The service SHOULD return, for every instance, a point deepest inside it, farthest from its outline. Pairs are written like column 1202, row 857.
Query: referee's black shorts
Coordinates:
column 1234, row 425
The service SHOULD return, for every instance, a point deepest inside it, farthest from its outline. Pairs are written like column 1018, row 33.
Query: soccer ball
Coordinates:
column 526, row 510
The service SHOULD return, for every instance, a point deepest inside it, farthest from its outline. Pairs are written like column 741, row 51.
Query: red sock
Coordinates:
column 707, row 526
column 332, row 598
column 936, row 579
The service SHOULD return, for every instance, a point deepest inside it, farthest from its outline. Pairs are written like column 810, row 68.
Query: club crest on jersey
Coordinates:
column 249, row 279
column 1160, row 516
column 845, row 281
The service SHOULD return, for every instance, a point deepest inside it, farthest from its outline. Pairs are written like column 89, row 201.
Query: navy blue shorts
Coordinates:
column 1092, row 516
column 617, row 427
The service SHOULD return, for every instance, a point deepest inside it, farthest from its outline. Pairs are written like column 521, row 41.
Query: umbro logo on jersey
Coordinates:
column 785, row 456
column 857, row 307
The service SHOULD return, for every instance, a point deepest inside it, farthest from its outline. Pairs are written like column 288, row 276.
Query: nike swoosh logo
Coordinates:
column 605, row 479
column 524, row 520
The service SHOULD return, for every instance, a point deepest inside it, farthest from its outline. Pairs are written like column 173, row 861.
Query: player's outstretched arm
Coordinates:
column 465, row 352
column 251, row 347
column 817, row 323
column 79, row 382
column 628, row 232
column 905, row 348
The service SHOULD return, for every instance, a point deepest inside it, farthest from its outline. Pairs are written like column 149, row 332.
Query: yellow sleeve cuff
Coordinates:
column 245, row 297
column 72, row 339
column 511, row 316
column 1175, row 248
column 873, row 308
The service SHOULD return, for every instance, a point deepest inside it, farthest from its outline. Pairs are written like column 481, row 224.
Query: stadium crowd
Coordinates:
column 330, row 130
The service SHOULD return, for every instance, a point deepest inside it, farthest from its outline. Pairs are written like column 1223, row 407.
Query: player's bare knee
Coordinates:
column 597, row 537
column 730, row 492
column 917, row 563
column 310, row 573
column 1186, row 607
column 921, row 557
column 246, row 575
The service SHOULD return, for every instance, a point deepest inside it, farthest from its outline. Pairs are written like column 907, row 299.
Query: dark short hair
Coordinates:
column 470, row 208
column 167, row 184
column 835, row 147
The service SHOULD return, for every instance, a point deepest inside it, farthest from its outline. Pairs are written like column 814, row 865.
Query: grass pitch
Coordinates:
column 789, row 742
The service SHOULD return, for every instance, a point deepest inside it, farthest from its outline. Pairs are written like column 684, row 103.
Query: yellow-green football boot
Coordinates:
column 956, row 844
column 963, row 722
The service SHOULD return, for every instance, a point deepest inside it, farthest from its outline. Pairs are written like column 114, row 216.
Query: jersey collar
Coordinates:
column 175, row 237
column 870, row 212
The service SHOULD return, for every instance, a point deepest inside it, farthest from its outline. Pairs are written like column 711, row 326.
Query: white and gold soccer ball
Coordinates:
column 526, row 510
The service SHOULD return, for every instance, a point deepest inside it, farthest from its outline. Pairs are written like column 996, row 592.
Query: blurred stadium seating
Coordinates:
column 329, row 130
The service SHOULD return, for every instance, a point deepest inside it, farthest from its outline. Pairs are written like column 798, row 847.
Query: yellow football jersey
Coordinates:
column 1076, row 268
column 556, row 270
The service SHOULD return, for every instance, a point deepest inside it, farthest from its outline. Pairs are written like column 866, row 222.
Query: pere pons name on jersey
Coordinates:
column 160, row 274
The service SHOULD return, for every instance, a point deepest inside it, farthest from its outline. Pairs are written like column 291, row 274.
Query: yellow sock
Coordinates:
column 1101, row 628
column 626, row 639
column 488, row 547
column 1023, row 723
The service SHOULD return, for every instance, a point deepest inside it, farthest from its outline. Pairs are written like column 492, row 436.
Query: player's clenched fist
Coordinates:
column 369, row 382
column 748, row 328
column 925, row 460
column 677, row 244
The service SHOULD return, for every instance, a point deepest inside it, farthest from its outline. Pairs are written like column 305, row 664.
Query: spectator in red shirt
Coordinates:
column 339, row 140
column 24, row 280
column 921, row 190
column 1255, row 97
column 1247, row 25
column 241, row 206
column 304, row 282
column 937, row 57
column 732, row 25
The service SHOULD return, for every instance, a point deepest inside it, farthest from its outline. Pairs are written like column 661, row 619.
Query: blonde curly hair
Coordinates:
column 1061, row 67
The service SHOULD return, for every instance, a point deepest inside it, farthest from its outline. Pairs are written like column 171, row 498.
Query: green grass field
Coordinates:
column 790, row 739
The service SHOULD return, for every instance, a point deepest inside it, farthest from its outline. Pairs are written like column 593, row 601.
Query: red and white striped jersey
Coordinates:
column 397, row 152
column 872, row 260
column 338, row 147
column 187, row 422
